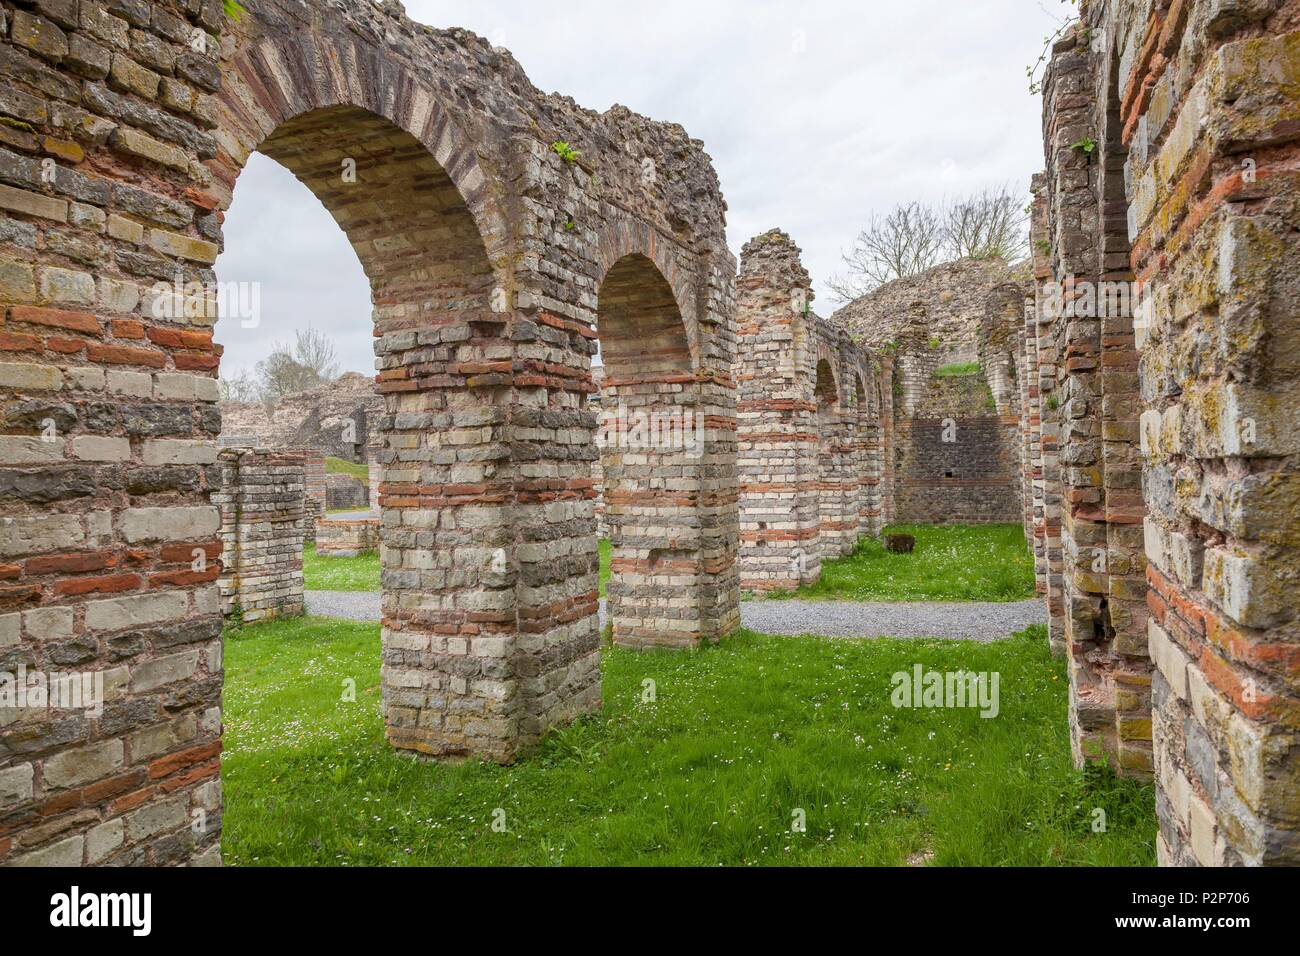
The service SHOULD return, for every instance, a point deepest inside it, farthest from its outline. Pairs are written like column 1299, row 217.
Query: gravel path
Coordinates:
column 980, row 622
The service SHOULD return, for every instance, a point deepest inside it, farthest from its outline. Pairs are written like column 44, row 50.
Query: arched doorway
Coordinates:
column 654, row 445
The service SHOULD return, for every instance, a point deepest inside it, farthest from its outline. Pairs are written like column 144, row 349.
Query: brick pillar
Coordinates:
column 317, row 495
column 262, row 500
column 777, row 425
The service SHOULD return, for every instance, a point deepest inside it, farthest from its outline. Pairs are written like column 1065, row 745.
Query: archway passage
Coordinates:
column 837, row 485
column 432, row 151
column 444, row 494
column 653, row 449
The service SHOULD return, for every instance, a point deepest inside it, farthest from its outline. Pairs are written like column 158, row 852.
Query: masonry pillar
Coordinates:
column 777, row 419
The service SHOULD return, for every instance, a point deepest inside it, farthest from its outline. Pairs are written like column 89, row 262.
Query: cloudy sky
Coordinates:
column 816, row 114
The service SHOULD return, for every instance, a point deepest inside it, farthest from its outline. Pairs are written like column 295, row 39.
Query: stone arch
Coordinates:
column 280, row 75
column 835, row 484
column 491, row 607
column 653, row 449
column 628, row 240
column 826, row 389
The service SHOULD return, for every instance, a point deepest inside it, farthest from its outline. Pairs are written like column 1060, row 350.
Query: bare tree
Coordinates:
column 907, row 241
column 240, row 387
column 309, row 363
column 992, row 224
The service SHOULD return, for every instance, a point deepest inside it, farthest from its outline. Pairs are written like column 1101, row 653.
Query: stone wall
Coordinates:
column 1171, row 130
column 262, row 502
column 810, row 441
column 958, row 471
column 347, row 538
column 339, row 420
column 494, row 257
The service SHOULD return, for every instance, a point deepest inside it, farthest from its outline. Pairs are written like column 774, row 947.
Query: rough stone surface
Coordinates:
column 493, row 259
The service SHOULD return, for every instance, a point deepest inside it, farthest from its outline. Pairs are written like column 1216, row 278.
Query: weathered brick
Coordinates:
column 82, row 765
column 66, row 286
column 118, row 614
column 169, row 524
column 146, row 147
column 95, row 448
column 33, row 204
column 39, row 35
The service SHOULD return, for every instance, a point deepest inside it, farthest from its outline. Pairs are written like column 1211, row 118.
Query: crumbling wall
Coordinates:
column 488, row 246
column 340, row 419
column 262, row 501
column 1092, row 347
column 1172, row 143
column 809, row 436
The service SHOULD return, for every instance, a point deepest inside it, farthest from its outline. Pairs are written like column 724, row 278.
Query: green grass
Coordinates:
column 951, row 563
column 959, row 370
column 362, row 573
column 606, row 555
column 740, row 737
column 340, row 574
column 340, row 466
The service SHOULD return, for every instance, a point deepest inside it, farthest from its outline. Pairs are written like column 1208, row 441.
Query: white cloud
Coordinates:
column 887, row 102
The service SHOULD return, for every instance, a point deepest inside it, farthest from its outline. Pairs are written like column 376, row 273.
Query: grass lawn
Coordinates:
column 740, row 737
column 957, row 563
column 362, row 573
column 341, row 466
column 340, row 574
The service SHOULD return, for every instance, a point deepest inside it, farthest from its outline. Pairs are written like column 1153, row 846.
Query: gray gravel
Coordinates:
column 349, row 605
column 979, row 622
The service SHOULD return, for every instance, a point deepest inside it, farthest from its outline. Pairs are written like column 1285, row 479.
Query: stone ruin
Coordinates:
column 810, row 455
column 502, row 230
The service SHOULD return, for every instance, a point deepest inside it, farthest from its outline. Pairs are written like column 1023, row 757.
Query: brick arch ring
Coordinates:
column 620, row 240
column 274, row 80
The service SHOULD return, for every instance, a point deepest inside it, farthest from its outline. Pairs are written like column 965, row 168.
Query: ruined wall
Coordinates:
column 488, row 253
column 955, row 446
column 347, row 537
column 339, row 420
column 1172, row 138
column 262, row 501
column 810, row 442
column 1094, row 360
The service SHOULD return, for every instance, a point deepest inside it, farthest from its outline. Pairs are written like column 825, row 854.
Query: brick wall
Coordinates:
column 1171, row 132
column 339, row 538
column 492, row 259
column 262, row 501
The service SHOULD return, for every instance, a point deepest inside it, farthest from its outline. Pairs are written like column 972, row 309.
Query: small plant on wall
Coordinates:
column 565, row 152
column 234, row 9
column 1087, row 146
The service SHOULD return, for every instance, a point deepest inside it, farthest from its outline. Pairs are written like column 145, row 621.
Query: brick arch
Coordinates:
column 654, row 461
column 625, row 239
column 827, row 388
column 273, row 80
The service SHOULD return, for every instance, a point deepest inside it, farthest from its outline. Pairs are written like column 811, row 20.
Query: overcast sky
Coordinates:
column 816, row 114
